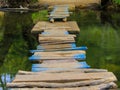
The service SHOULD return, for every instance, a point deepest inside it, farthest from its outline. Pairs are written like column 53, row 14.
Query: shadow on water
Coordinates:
column 100, row 31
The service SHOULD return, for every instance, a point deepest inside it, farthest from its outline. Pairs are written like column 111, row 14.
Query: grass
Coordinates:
column 40, row 16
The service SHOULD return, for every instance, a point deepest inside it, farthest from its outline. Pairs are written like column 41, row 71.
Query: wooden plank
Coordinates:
column 76, row 54
column 41, row 49
column 89, row 70
column 58, row 15
column 56, row 42
column 41, row 26
column 56, row 35
column 57, row 46
column 61, row 70
column 101, row 86
column 54, row 31
column 59, row 12
column 62, row 65
column 60, row 53
column 71, row 7
column 56, row 57
column 56, row 27
column 59, row 61
column 60, row 85
column 74, row 25
column 63, row 77
column 57, row 65
column 56, row 39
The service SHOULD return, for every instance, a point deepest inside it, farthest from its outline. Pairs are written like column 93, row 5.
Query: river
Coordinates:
column 100, row 32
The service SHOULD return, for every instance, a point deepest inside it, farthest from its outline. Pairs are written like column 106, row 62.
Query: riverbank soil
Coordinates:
column 77, row 3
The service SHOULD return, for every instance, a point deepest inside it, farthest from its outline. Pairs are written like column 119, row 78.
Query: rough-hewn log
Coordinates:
column 95, row 87
column 63, row 77
column 61, row 71
column 60, row 85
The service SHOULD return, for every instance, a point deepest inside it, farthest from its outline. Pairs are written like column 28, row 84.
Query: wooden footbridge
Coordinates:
column 56, row 65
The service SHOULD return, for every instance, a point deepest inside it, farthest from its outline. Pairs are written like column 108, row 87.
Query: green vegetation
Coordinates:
column 1, row 23
column 116, row 1
column 16, row 58
column 40, row 16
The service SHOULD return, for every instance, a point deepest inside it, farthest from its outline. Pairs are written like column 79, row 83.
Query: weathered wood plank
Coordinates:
column 63, row 77
column 41, row 26
column 102, row 86
column 57, row 65
column 76, row 54
column 57, row 46
column 72, row 44
column 57, row 42
column 59, row 13
column 62, row 65
column 40, row 49
column 54, row 35
column 20, row 72
column 61, row 53
column 60, row 85
column 55, row 39
column 88, row 70
column 71, row 7
column 59, row 61
column 55, row 57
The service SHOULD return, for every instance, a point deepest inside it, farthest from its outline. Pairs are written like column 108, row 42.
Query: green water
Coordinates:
column 100, row 31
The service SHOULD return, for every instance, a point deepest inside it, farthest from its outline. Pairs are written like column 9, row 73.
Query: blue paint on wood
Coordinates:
column 33, row 57
column 65, row 8
column 77, row 56
column 53, row 12
column 44, row 33
column 38, row 67
column 47, row 33
column 73, row 45
column 82, row 64
column 45, row 69
column 66, row 32
column 41, row 49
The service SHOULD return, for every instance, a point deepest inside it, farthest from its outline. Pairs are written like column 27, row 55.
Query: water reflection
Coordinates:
column 15, row 43
column 100, row 31
column 102, row 36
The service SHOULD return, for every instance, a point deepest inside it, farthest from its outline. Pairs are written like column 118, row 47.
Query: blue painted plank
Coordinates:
column 44, row 69
column 73, row 45
column 47, row 33
column 77, row 56
column 82, row 64
column 65, row 12
column 38, row 67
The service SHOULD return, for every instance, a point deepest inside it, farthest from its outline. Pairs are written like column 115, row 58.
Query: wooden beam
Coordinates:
column 61, row 85
column 63, row 77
